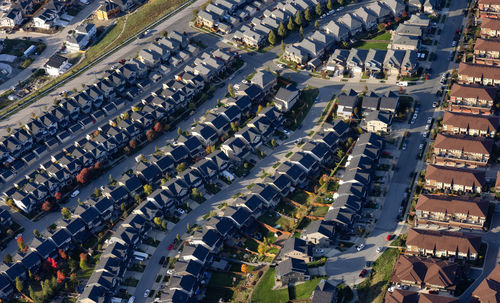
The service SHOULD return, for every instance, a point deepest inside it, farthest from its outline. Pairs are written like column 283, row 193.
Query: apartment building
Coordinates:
column 444, row 178
column 451, row 150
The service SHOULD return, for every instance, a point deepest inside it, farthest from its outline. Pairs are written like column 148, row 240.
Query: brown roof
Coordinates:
column 471, row 121
column 490, row 23
column 466, row 144
column 489, row 2
column 444, row 241
column 460, row 176
column 487, row 45
column 431, row 271
column 479, row 71
column 408, row 296
column 452, row 205
column 473, row 91
column 489, row 289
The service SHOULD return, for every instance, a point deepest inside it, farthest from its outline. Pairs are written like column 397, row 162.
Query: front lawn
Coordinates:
column 374, row 287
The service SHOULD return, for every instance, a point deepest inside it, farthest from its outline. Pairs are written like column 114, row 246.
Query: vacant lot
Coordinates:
column 17, row 47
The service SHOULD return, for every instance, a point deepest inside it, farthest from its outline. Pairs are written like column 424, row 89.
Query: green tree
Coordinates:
column 329, row 5
column 341, row 2
column 316, row 24
column 308, row 15
column 36, row 233
column 148, row 189
column 181, row 167
column 271, row 37
column 301, row 33
column 282, row 31
column 381, row 27
column 319, row 9
column 163, row 224
column 19, row 285
column 157, row 221
column 7, row 259
column 66, row 213
column 290, row 26
column 111, row 179
column 230, row 90
column 283, row 45
column 179, row 131
column 298, row 18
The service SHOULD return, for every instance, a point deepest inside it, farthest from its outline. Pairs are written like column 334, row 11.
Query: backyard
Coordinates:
column 378, row 42
column 300, row 109
column 231, row 286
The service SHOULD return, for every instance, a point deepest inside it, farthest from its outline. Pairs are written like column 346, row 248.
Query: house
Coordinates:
column 294, row 172
column 337, row 30
column 296, row 248
column 236, row 149
column 379, row 121
column 451, row 211
column 489, row 9
column 370, row 102
column 207, row 19
column 177, row 189
column 318, row 233
column 239, row 215
column 206, row 134
column 290, row 271
column 443, row 244
column 32, row 262
column 12, row 18
column 368, row 18
column 374, row 62
column 426, row 272
column 356, row 60
column 184, row 283
column 462, row 151
column 107, row 10
column 401, row 295
column 409, row 66
column 478, row 74
column 77, row 230
column 454, row 179
column 474, row 99
column 397, row 7
column 404, row 42
column 286, row 97
column 61, row 238
column 470, row 124
column 305, row 161
column 188, row 268
column 488, row 290
column 57, row 65
column 209, row 238
column 125, row 5
column 250, row 136
column 487, row 52
column 325, row 292
column 222, row 225
column 346, row 103
column 219, row 123
column 379, row 9
column 265, row 80
column 268, row 193
column 196, row 253
column 389, row 102
column 352, row 22
column 490, row 28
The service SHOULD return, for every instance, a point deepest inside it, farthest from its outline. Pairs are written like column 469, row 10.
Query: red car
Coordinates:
column 389, row 237
column 426, row 77
column 362, row 274
column 122, row 61
column 170, row 246
column 433, row 292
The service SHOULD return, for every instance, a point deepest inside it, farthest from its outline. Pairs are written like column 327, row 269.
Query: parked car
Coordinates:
column 380, row 249
column 75, row 193
column 146, row 293
column 389, row 237
column 362, row 274
column 360, row 247
column 162, row 260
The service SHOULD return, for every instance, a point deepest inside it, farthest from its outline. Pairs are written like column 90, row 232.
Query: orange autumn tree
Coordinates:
column 244, row 268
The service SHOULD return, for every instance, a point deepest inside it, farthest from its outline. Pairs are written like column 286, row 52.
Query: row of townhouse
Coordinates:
column 426, row 6
column 349, row 100
column 456, row 150
column 474, row 99
column 309, row 50
column 373, row 62
column 488, row 9
column 486, row 52
column 447, row 179
column 401, row 295
column 471, row 125
column 210, row 65
column 223, row 15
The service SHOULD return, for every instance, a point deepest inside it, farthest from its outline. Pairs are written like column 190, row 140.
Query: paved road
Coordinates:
column 53, row 42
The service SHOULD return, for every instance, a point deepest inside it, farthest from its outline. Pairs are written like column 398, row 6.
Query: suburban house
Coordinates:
column 443, row 244
column 265, row 80
column 393, row 61
column 57, row 65
column 286, row 97
column 346, row 103
column 296, row 248
column 462, row 151
column 451, row 211
column 290, row 271
column 337, row 30
column 479, row 74
column 325, row 292
column 472, row 99
column 318, row 233
column 470, row 124
column 379, row 121
column 426, row 272
column 454, row 179
column 487, row 290
column 107, row 10
column 487, row 51
column 490, row 28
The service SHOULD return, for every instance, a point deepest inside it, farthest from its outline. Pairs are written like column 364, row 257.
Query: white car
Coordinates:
column 415, row 116
column 281, row 65
column 427, row 127
column 421, row 146
column 360, row 247
column 75, row 193
column 429, row 120
column 146, row 293
column 454, row 43
column 380, row 249
column 244, row 81
column 434, row 104
column 181, row 211
column 412, row 121
column 340, row 9
column 404, row 146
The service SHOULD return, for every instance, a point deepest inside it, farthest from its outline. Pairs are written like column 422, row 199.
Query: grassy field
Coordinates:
column 264, row 293
column 374, row 287
column 384, row 36
column 374, row 45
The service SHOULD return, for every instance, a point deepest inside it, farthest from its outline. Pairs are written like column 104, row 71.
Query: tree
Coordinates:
column 111, row 179
column 341, row 2
column 319, row 9
column 404, row 14
column 381, row 27
column 36, row 233
column 20, row 243
column 261, row 249
column 230, row 90
column 163, row 224
column 66, row 213
column 83, row 261
column 132, row 144
column 298, row 18
column 158, row 127
column 283, row 45
column 316, row 24
column 62, row 254
column 60, row 277
column 301, row 33
column 282, row 31
column 329, row 5
column 148, row 189
column 98, row 166
column 84, row 176
column 308, row 15
column 46, row 206
column 181, row 167
column 259, row 108
column 157, row 221
column 244, row 268
column 7, row 259
column 150, row 135
column 271, row 37
column 19, row 285
column 31, row 293
column 290, row 26
column 58, row 196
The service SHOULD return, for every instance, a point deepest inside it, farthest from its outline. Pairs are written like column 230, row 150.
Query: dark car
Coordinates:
column 162, row 260
column 362, row 274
